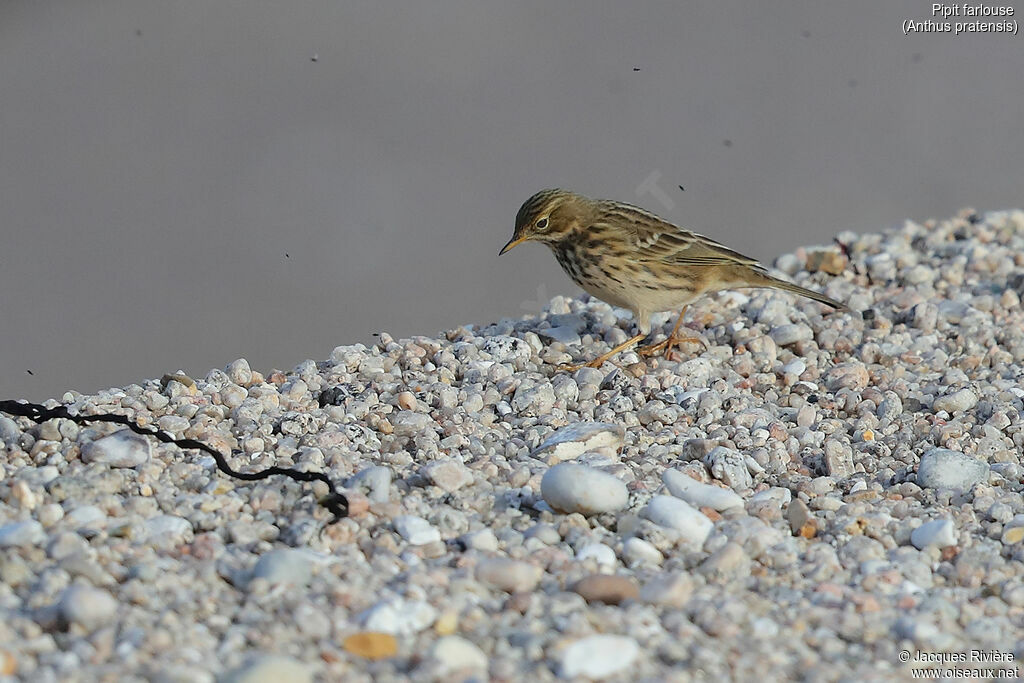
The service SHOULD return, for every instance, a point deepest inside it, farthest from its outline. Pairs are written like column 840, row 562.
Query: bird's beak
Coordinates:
column 515, row 241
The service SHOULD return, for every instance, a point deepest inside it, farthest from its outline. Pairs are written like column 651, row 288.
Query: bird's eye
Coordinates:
column 542, row 224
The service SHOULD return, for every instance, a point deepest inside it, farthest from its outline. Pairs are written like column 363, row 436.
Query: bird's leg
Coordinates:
column 672, row 340
column 599, row 361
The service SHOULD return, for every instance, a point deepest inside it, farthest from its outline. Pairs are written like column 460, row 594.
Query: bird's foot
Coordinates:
column 667, row 346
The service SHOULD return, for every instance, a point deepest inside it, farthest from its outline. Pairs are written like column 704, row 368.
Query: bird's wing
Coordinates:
column 655, row 239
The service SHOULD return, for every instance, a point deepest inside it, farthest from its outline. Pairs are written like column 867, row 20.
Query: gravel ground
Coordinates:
column 808, row 497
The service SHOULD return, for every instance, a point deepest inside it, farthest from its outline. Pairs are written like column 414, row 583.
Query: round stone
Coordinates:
column 673, row 513
column 945, row 469
column 569, row 487
column 599, row 656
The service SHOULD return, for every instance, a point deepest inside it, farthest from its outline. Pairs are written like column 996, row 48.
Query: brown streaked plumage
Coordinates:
column 634, row 259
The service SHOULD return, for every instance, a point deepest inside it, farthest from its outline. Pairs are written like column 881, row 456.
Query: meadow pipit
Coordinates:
column 634, row 259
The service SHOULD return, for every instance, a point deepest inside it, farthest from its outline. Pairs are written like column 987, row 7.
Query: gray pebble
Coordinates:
column 22, row 534
column 941, row 468
column 375, row 481
column 791, row 333
column 284, row 566
column 87, row 606
column 265, row 668
column 956, row 402
column 120, row 449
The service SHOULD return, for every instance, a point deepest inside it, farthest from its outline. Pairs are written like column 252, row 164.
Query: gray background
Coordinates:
column 158, row 160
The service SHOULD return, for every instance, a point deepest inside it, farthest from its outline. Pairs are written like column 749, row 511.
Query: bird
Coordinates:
column 634, row 259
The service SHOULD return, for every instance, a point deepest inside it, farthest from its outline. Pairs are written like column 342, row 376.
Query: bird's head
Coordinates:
column 548, row 216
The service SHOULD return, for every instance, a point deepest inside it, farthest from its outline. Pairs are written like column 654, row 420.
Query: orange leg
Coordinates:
column 599, row 361
column 672, row 340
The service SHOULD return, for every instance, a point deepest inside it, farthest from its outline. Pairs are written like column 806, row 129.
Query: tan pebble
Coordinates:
column 711, row 514
column 607, row 588
column 800, row 518
column 518, row 602
column 23, row 493
column 446, row 624
column 1013, row 534
column 406, row 400
column 358, row 504
column 371, row 645
column 511, row 576
column 8, row 663
column 177, row 377
column 829, row 261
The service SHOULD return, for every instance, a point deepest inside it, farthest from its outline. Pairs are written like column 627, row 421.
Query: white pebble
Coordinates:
column 484, row 539
column 511, row 576
column 270, row 669
column 673, row 513
column 569, row 487
column 21, row 534
column 730, row 467
column 945, row 469
column 958, row 401
column 598, row 656
column 399, row 616
column 456, row 654
column 408, row 423
column 120, row 449
column 449, row 474
column 699, row 494
column 416, row 530
column 938, row 532
column 169, row 529
column 637, row 551
column 604, row 555
column 283, row 566
column 90, row 607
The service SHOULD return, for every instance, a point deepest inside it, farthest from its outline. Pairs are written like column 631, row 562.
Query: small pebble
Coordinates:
column 610, row 589
column 568, row 487
column 938, row 532
column 270, row 669
column 598, row 656
column 941, row 468
column 87, row 606
column 284, row 566
column 22, row 534
column 698, row 494
column 956, row 402
column 450, row 474
column 456, row 654
column 602, row 554
column 416, row 530
column 371, row 645
column 399, row 617
column 511, row 576
column 668, row 511
column 123, row 448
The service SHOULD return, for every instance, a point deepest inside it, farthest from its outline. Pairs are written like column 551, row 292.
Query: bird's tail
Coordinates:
column 803, row 291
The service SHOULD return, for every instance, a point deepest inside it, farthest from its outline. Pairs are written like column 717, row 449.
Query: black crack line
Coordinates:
column 335, row 502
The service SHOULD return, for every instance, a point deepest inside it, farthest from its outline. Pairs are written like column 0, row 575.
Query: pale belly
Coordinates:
column 638, row 291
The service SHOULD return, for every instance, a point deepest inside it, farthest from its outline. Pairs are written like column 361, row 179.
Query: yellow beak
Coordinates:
column 514, row 242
